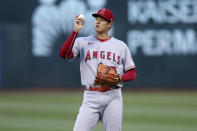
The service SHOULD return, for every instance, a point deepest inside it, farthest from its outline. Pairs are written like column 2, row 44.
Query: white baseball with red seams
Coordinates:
column 81, row 16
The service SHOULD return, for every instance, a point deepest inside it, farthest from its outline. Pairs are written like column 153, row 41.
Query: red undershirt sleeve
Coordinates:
column 129, row 75
column 66, row 49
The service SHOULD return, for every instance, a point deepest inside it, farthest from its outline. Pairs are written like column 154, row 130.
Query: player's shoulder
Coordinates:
column 87, row 38
column 83, row 41
column 119, row 42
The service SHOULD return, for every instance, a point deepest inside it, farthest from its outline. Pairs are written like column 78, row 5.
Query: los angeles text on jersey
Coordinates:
column 103, row 55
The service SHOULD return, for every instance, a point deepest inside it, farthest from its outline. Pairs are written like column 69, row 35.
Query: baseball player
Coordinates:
column 105, row 63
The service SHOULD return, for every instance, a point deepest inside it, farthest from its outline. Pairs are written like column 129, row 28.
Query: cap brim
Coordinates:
column 96, row 15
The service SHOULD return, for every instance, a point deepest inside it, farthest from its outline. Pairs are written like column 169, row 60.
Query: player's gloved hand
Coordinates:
column 78, row 23
column 106, row 76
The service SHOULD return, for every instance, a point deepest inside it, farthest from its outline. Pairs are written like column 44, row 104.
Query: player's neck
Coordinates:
column 102, row 35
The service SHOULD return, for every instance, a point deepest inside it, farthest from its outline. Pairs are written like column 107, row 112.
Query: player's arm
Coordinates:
column 66, row 49
column 129, row 67
column 129, row 75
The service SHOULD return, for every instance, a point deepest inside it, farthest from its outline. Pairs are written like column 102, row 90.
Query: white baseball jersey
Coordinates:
column 111, row 52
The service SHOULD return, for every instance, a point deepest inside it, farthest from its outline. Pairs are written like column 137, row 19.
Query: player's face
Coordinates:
column 101, row 25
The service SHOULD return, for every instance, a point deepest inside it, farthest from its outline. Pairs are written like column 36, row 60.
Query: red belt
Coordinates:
column 101, row 88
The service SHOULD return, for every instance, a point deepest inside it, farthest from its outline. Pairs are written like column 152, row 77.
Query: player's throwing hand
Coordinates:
column 79, row 23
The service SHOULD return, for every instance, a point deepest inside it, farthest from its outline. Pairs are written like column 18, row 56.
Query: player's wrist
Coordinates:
column 77, row 31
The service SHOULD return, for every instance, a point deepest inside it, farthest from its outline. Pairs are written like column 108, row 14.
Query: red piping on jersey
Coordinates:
column 129, row 75
column 129, row 68
column 103, row 40
column 66, row 49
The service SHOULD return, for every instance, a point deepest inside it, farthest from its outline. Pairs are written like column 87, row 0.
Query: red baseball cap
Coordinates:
column 105, row 13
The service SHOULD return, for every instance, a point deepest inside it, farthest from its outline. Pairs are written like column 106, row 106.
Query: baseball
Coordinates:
column 81, row 16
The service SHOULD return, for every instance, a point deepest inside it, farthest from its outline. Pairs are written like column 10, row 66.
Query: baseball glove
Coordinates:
column 106, row 75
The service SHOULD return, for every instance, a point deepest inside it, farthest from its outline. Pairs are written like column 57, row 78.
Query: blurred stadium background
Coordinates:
column 41, row 91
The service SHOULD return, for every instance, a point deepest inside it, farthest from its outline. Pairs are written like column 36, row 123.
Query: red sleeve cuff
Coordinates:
column 129, row 75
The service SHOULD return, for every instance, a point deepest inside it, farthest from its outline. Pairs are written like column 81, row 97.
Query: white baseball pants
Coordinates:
column 106, row 107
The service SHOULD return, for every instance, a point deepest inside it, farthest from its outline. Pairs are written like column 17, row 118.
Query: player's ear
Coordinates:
column 110, row 25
